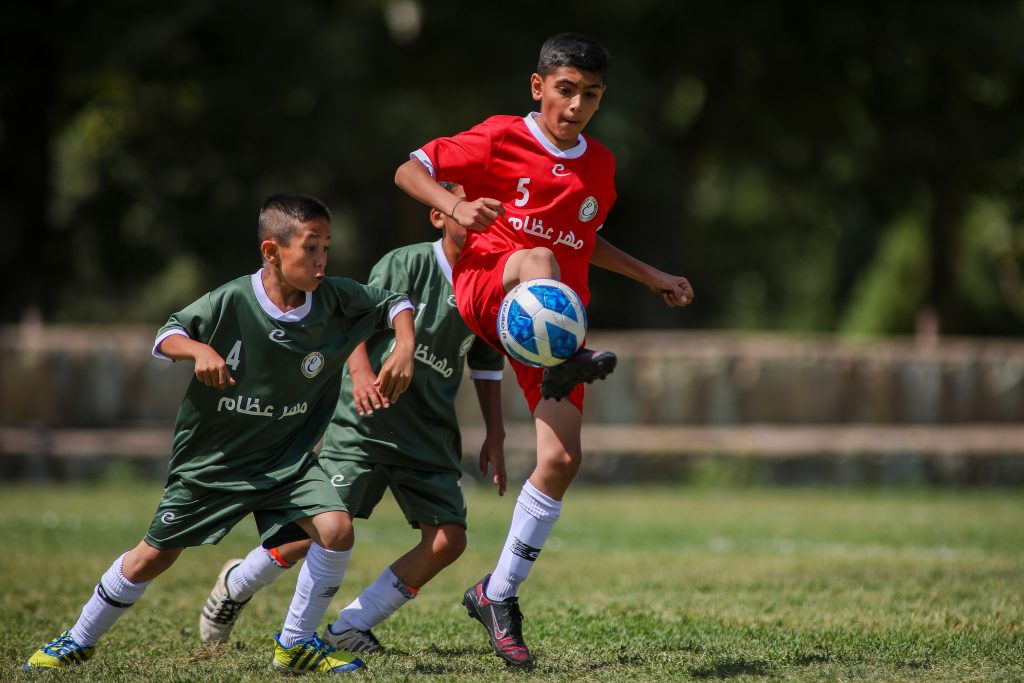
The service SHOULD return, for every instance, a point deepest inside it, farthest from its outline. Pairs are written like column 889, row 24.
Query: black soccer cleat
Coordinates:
column 585, row 366
column 503, row 622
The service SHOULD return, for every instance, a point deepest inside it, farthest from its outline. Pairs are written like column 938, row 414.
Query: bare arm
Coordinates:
column 364, row 392
column 396, row 373
column 492, row 453
column 675, row 290
column 210, row 369
column 412, row 177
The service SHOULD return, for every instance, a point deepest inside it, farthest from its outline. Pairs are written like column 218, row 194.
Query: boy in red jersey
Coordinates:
column 537, row 192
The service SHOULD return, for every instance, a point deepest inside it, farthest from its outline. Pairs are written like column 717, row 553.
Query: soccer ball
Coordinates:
column 542, row 323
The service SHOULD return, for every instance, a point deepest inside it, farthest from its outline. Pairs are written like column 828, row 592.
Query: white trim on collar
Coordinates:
column 442, row 260
column 572, row 153
column 271, row 309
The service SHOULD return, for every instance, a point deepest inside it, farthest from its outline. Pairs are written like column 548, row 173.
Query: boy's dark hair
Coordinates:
column 281, row 214
column 575, row 50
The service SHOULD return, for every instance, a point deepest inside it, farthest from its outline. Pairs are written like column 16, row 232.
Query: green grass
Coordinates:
column 635, row 584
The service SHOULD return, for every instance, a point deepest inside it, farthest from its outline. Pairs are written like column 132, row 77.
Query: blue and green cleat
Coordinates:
column 313, row 655
column 60, row 652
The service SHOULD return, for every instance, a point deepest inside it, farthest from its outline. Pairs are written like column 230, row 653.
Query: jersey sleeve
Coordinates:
column 459, row 157
column 484, row 361
column 367, row 301
column 193, row 321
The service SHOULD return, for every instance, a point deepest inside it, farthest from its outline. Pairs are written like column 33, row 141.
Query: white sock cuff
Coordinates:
column 320, row 558
column 122, row 582
column 114, row 586
column 539, row 504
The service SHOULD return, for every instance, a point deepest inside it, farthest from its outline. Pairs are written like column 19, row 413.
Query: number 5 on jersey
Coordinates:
column 523, row 191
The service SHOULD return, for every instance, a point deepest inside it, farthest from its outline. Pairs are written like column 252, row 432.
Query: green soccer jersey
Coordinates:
column 287, row 368
column 420, row 430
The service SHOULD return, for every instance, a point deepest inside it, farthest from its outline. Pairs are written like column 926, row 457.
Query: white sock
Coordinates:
column 319, row 579
column 258, row 570
column 534, row 517
column 377, row 602
column 113, row 596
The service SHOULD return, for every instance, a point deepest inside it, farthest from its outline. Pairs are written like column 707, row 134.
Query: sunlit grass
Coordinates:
column 635, row 583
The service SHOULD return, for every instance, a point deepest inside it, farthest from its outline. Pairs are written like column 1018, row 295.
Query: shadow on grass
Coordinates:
column 436, row 665
column 731, row 669
column 815, row 658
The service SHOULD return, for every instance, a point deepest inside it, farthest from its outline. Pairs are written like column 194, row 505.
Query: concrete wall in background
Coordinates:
column 106, row 377
column 680, row 407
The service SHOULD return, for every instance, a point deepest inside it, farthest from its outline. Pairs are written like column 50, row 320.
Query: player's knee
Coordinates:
column 564, row 464
column 336, row 532
column 144, row 562
column 541, row 257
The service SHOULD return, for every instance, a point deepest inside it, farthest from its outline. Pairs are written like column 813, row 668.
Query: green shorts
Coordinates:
column 424, row 496
column 189, row 515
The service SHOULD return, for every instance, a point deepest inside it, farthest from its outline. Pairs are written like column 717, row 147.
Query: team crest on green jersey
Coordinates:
column 312, row 364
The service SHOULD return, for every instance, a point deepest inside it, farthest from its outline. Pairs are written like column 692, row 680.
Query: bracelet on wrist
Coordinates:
column 452, row 212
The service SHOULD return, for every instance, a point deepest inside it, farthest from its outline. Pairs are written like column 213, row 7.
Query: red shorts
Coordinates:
column 478, row 293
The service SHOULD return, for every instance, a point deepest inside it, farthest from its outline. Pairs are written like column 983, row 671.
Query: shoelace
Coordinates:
column 317, row 644
column 515, row 617
column 364, row 640
column 227, row 611
column 61, row 645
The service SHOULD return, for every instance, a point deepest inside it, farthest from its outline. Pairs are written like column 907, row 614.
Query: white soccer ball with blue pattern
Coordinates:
column 542, row 322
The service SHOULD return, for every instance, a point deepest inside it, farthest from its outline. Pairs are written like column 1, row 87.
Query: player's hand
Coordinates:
column 492, row 455
column 365, row 394
column 675, row 290
column 211, row 369
column 395, row 375
column 479, row 213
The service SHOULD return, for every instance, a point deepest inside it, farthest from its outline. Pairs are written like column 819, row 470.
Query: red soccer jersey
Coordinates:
column 553, row 198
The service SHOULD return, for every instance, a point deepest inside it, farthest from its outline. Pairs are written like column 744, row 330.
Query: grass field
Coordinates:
column 635, row 584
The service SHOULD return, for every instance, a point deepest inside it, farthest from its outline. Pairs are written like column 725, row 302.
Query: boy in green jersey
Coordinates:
column 413, row 447
column 268, row 352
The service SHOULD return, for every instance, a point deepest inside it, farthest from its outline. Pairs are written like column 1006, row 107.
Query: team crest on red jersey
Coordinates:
column 588, row 209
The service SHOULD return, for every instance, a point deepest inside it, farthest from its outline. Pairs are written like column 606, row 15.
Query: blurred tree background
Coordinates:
column 849, row 167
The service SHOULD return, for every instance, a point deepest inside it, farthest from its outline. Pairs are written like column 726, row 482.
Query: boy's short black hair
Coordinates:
column 281, row 215
column 575, row 50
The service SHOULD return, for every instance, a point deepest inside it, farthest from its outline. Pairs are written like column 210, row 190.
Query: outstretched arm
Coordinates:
column 675, row 290
column 416, row 182
column 492, row 453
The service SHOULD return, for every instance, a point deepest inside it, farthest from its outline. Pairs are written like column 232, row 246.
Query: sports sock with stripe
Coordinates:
column 534, row 517
column 113, row 596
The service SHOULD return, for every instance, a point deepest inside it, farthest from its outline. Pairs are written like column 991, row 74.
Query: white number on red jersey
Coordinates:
column 523, row 182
